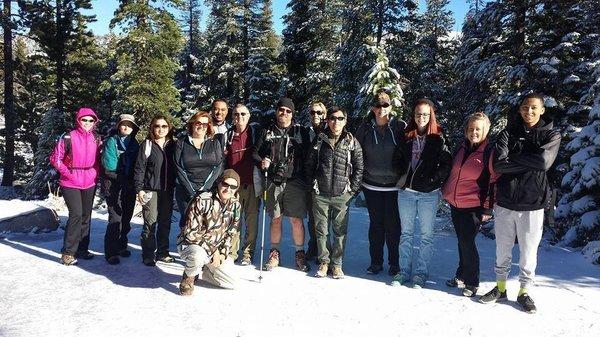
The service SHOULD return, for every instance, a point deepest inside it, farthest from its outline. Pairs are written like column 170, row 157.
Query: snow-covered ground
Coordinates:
column 40, row 297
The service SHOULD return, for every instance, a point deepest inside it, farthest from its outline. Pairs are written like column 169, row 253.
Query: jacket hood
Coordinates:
column 83, row 112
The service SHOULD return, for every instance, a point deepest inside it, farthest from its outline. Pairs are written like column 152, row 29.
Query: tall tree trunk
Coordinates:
column 246, row 42
column 380, row 12
column 9, row 109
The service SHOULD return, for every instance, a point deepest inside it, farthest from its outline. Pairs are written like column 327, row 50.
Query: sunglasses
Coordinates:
column 317, row 112
column 238, row 114
column 336, row 118
column 163, row 126
column 284, row 110
column 382, row 105
column 232, row 187
column 200, row 124
column 87, row 120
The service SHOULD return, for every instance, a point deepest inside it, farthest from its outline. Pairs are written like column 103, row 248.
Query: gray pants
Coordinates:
column 527, row 227
column 196, row 257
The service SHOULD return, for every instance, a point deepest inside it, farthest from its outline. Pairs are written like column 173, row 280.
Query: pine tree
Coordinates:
column 9, row 108
column 262, row 76
column 381, row 77
column 146, row 60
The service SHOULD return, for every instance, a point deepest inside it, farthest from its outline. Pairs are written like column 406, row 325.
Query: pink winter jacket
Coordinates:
column 78, row 169
column 467, row 186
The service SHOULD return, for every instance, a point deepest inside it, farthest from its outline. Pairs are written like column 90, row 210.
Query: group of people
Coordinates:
column 220, row 173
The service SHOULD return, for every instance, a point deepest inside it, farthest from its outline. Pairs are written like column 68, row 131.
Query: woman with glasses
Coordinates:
column 426, row 165
column 198, row 159
column 379, row 136
column 211, row 221
column 154, row 179
column 75, row 157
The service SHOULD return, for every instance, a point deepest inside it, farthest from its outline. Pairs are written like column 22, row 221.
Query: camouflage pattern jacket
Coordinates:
column 210, row 223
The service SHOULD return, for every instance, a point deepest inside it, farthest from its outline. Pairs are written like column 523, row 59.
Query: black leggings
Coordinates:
column 384, row 225
column 77, row 233
column 466, row 226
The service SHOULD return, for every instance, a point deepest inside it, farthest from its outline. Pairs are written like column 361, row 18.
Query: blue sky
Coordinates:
column 104, row 9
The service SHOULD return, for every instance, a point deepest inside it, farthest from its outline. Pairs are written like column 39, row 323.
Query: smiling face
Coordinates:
column 199, row 127
column 219, row 112
column 531, row 109
column 227, row 188
column 476, row 132
column 241, row 116
column 422, row 116
column 87, row 122
column 125, row 128
column 284, row 117
column 336, row 122
column 160, row 129
column 382, row 111
column 317, row 114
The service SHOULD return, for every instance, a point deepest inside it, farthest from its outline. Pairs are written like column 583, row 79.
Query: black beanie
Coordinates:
column 286, row 103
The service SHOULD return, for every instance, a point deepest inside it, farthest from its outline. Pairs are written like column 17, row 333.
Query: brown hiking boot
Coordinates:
column 273, row 260
column 301, row 261
column 322, row 272
column 186, row 287
column 337, row 272
column 68, row 260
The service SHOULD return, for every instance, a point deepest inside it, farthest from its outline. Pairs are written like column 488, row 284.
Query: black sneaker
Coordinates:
column 393, row 270
column 149, row 261
column 455, row 282
column 113, row 260
column 469, row 291
column 86, row 255
column 374, row 269
column 493, row 295
column 124, row 253
column 527, row 303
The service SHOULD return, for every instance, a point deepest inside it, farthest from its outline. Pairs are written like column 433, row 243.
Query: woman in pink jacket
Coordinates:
column 75, row 157
column 469, row 190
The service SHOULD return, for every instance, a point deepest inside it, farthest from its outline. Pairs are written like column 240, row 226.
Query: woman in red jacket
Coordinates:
column 75, row 157
column 469, row 191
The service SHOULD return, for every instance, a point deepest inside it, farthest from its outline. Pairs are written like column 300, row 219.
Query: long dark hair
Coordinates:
column 169, row 135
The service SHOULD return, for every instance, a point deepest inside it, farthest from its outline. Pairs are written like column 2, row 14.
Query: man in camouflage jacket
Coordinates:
column 211, row 220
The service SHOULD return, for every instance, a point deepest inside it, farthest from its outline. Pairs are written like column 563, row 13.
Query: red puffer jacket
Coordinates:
column 471, row 184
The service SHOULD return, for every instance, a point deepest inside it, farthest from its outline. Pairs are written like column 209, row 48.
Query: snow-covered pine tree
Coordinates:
column 438, row 48
column 380, row 77
column 224, row 58
column 262, row 75
column 146, row 59
column 579, row 209
column 354, row 57
column 190, row 79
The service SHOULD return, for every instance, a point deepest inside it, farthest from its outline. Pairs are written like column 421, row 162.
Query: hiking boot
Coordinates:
column 455, row 282
column 394, row 270
column 124, row 253
column 186, row 287
column 68, row 260
column 301, row 264
column 113, row 260
column 86, row 255
column 337, row 272
column 246, row 261
column 493, row 295
column 374, row 269
column 166, row 259
column 399, row 280
column 273, row 260
column 322, row 272
column 418, row 282
column 469, row 291
column 527, row 303
column 149, row 261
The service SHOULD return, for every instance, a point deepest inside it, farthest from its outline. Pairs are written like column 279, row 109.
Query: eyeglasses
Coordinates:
column 317, row 112
column 231, row 187
column 200, row 124
column 336, row 118
column 385, row 105
column 238, row 114
column 163, row 126
column 284, row 110
column 87, row 120
column 417, row 115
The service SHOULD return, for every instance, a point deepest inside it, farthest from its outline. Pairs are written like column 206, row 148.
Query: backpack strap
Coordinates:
column 147, row 148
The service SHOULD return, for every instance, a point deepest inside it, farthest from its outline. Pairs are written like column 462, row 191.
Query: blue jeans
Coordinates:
column 413, row 204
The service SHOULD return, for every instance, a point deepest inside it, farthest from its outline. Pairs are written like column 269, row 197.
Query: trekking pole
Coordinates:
column 264, row 221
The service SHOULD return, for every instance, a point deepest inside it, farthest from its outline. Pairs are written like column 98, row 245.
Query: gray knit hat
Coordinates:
column 127, row 118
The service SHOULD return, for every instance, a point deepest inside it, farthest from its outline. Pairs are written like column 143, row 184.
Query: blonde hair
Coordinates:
column 210, row 131
column 479, row 116
column 320, row 105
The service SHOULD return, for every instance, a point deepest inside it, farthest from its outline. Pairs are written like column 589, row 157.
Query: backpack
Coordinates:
column 66, row 137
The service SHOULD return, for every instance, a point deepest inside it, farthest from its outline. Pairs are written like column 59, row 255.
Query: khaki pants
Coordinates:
column 334, row 210
column 249, row 204
column 196, row 257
